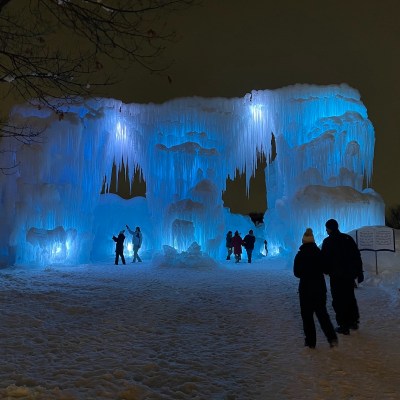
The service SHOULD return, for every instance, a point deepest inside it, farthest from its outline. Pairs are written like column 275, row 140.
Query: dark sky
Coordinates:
column 229, row 47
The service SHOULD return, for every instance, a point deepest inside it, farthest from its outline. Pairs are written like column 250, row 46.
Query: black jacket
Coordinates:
column 248, row 242
column 229, row 240
column 119, row 242
column 308, row 266
column 342, row 257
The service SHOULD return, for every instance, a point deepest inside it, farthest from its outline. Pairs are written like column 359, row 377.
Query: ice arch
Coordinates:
column 52, row 209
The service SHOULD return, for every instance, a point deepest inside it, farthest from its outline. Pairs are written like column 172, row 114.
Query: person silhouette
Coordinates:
column 248, row 243
column 343, row 265
column 266, row 247
column 229, row 245
column 237, row 246
column 119, row 247
column 137, row 239
column 308, row 266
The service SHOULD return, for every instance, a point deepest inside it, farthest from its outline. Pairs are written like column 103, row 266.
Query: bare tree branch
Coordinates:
column 51, row 52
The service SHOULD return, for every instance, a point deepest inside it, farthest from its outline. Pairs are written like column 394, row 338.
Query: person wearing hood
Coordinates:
column 119, row 247
column 308, row 267
column 343, row 264
column 237, row 246
column 137, row 239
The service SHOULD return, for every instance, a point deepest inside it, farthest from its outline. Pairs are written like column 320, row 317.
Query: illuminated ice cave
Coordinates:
column 53, row 209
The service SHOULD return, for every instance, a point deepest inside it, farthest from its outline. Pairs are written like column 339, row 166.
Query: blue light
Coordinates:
column 52, row 210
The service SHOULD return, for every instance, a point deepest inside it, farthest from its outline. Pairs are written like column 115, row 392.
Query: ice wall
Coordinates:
column 53, row 210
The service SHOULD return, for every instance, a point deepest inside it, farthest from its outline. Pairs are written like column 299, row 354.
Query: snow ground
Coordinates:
column 216, row 332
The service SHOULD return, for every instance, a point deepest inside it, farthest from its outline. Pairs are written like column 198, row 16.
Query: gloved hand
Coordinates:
column 360, row 277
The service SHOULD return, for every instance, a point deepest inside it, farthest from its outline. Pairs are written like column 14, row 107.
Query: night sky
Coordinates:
column 229, row 47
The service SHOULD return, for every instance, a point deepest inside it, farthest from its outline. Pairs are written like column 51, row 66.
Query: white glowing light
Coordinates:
column 120, row 132
column 256, row 111
column 273, row 250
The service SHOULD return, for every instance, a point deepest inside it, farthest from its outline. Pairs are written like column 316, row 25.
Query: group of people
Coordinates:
column 340, row 259
column 234, row 245
column 137, row 239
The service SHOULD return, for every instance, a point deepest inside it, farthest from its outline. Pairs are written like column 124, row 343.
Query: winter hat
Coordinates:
column 332, row 225
column 308, row 236
column 123, row 231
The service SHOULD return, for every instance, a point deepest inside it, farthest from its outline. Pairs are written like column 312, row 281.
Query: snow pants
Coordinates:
column 249, row 254
column 119, row 253
column 135, row 253
column 310, row 303
column 344, row 302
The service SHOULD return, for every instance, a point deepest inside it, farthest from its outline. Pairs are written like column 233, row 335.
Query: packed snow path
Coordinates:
column 145, row 332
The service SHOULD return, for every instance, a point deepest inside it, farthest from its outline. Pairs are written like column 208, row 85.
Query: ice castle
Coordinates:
column 53, row 210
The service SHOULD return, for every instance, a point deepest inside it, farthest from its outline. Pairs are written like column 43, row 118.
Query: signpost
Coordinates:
column 376, row 239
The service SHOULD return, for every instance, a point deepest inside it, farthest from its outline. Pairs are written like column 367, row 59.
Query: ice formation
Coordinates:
column 52, row 209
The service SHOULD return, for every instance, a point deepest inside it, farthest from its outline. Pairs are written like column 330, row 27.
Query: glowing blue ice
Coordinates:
column 52, row 209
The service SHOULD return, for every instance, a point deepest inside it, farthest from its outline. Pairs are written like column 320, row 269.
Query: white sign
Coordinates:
column 376, row 239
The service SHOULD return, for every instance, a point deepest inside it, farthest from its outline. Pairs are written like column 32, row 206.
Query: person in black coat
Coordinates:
column 248, row 243
column 343, row 265
column 308, row 266
column 229, row 245
column 119, row 247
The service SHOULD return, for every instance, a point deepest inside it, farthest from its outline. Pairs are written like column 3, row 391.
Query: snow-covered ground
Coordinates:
column 195, row 330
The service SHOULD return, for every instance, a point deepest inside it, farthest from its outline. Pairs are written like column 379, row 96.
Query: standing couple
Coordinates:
column 339, row 258
column 136, row 242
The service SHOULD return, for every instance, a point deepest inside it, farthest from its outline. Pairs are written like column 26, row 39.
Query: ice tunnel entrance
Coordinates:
column 186, row 148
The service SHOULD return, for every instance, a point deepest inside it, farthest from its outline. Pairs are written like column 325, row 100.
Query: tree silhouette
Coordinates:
column 52, row 52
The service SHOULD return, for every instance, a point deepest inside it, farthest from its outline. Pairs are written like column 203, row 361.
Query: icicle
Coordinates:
column 186, row 149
